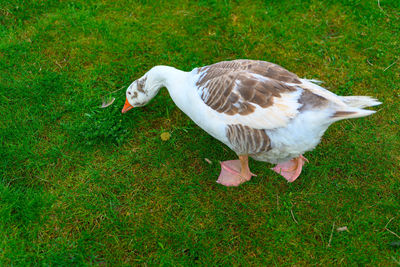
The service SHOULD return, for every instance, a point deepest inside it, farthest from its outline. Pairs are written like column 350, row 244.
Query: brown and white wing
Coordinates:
column 263, row 68
column 241, row 96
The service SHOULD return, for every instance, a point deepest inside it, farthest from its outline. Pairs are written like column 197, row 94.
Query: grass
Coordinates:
column 89, row 186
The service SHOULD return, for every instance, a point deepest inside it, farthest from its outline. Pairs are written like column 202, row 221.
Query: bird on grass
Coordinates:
column 256, row 108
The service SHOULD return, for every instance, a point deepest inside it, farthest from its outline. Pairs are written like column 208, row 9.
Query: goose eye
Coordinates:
column 129, row 93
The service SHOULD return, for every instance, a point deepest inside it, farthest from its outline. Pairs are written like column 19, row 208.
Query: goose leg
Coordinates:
column 235, row 172
column 291, row 169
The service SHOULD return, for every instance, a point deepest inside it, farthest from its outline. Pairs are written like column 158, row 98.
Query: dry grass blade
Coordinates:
column 390, row 231
column 330, row 238
column 396, row 261
column 294, row 219
column 390, row 65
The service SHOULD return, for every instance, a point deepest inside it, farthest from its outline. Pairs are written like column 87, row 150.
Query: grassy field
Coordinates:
column 89, row 186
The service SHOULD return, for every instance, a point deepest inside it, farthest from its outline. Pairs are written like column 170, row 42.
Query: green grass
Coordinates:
column 83, row 185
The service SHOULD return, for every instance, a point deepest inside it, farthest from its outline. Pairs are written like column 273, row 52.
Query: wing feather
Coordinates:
column 256, row 94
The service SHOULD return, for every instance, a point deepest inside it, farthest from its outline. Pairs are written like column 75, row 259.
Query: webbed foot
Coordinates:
column 234, row 172
column 291, row 169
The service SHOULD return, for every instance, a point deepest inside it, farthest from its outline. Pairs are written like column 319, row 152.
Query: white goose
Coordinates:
column 256, row 108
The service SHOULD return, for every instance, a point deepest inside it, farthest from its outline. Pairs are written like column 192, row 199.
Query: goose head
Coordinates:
column 139, row 93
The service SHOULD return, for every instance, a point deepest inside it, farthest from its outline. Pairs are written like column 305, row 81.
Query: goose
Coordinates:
column 256, row 108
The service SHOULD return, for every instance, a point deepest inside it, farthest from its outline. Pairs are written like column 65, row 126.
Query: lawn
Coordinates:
column 89, row 186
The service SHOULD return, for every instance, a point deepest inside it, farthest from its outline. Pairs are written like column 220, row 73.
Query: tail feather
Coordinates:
column 354, row 107
column 360, row 101
column 351, row 113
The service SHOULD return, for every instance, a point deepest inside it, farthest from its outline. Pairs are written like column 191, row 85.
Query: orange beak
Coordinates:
column 127, row 106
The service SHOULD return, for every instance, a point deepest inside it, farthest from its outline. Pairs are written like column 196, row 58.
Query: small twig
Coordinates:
column 369, row 62
column 398, row 236
column 383, row 11
column 58, row 64
column 390, row 231
column 117, row 90
column 389, row 222
column 335, row 37
column 330, row 238
column 379, row 5
column 396, row 261
column 291, row 212
column 394, row 62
